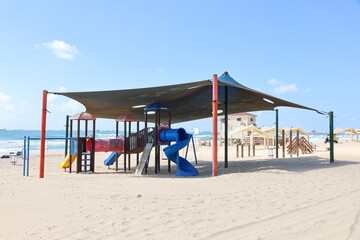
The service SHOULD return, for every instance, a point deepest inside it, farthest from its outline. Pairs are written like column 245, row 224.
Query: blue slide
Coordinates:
column 182, row 139
column 111, row 159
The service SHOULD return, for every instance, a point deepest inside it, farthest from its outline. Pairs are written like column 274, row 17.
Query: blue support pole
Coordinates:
column 27, row 155
column 194, row 150
column 24, row 155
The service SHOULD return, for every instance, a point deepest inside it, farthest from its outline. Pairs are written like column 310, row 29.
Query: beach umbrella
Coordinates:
column 273, row 129
column 351, row 131
column 295, row 129
column 254, row 130
column 338, row 130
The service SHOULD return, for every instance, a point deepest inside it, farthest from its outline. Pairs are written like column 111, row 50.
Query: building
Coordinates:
column 236, row 121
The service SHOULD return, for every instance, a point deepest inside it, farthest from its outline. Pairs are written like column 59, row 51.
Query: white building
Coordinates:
column 236, row 121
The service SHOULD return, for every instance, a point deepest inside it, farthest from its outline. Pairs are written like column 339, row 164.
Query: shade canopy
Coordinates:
column 253, row 130
column 188, row 101
column 295, row 129
column 350, row 130
column 337, row 130
column 127, row 118
column 82, row 116
column 272, row 129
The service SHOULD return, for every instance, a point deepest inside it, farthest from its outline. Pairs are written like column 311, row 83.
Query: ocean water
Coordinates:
column 13, row 140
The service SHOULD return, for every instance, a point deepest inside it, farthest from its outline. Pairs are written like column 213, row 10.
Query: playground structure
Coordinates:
column 131, row 143
column 80, row 149
column 191, row 101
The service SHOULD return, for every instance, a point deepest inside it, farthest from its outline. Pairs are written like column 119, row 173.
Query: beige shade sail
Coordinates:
column 350, row 130
column 295, row 129
column 251, row 129
column 337, row 130
column 273, row 129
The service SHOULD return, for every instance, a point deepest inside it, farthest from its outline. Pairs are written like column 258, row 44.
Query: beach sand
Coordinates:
column 255, row 198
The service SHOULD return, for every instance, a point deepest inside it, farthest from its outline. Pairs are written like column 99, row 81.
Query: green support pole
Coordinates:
column 331, row 118
column 226, row 127
column 66, row 134
column 277, row 133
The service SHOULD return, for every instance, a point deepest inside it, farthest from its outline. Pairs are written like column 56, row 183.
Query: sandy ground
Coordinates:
column 255, row 198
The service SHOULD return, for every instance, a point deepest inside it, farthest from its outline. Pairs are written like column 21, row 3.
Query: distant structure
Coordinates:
column 236, row 121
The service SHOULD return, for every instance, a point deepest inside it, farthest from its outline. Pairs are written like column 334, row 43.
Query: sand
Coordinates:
column 255, row 198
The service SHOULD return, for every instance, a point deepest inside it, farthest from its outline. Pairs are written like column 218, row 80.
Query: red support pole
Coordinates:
column 43, row 130
column 215, row 123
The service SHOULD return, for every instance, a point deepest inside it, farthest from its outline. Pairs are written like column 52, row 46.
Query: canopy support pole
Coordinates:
column 277, row 133
column 43, row 130
column 226, row 127
column 66, row 135
column 331, row 119
column 215, row 123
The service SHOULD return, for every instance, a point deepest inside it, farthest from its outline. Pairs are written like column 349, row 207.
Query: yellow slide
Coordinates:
column 65, row 163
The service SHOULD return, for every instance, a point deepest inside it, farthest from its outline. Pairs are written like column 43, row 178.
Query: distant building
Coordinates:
column 236, row 121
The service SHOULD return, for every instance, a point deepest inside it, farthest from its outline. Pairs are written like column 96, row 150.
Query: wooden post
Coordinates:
column 297, row 143
column 249, row 150
column 215, row 127
column 283, row 142
column 253, row 150
column 291, row 150
column 242, row 150
column 237, row 150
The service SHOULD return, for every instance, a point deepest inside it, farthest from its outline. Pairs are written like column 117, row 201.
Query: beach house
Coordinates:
column 236, row 121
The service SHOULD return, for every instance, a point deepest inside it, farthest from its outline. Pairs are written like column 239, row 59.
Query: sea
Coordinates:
column 13, row 140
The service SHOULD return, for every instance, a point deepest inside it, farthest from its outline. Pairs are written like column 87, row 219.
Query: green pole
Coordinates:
column 226, row 127
column 66, row 134
column 277, row 133
column 331, row 118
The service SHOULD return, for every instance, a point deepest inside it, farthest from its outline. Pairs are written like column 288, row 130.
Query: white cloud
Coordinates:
column 62, row 89
column 61, row 49
column 72, row 106
column 53, row 97
column 160, row 70
column 8, row 107
column 279, row 87
column 273, row 81
column 4, row 98
column 285, row 88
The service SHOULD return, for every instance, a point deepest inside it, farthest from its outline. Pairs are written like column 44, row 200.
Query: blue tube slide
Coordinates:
column 181, row 139
column 111, row 159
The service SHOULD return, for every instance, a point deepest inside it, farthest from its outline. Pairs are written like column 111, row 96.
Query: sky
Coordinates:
column 307, row 52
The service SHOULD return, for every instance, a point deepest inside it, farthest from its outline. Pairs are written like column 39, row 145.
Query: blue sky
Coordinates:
column 307, row 52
